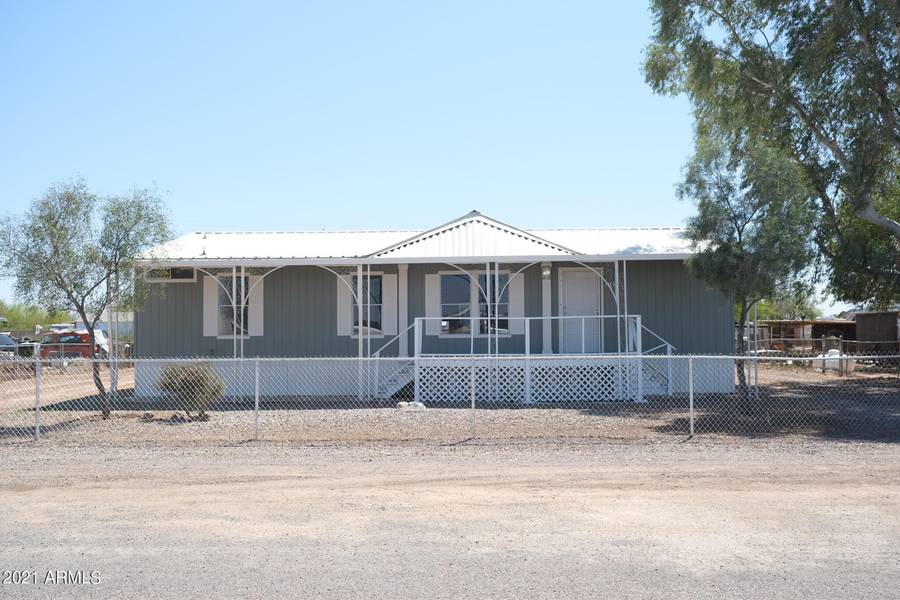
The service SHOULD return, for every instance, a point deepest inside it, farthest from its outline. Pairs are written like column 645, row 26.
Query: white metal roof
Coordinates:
column 473, row 236
column 276, row 244
column 621, row 242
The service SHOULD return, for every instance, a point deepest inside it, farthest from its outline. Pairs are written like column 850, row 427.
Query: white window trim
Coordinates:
column 473, row 303
column 373, row 336
column 168, row 280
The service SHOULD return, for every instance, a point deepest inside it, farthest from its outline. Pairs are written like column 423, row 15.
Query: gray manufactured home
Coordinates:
column 474, row 287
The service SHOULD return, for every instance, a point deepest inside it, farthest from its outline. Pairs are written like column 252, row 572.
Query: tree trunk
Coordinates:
column 868, row 213
column 105, row 406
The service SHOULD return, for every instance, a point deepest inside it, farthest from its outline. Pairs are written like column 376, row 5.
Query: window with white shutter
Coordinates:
column 227, row 312
column 379, row 305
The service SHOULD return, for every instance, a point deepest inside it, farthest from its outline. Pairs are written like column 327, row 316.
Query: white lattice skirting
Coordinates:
column 454, row 380
column 529, row 381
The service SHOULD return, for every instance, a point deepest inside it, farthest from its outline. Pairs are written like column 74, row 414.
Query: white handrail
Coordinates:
column 668, row 374
column 551, row 317
column 580, row 318
column 377, row 353
column 657, row 336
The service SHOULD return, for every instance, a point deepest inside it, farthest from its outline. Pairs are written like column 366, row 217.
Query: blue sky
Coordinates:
column 343, row 115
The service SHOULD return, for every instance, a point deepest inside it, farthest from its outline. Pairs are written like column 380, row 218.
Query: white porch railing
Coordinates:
column 591, row 333
column 591, row 339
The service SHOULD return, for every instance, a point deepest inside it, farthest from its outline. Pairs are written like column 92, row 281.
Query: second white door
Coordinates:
column 580, row 297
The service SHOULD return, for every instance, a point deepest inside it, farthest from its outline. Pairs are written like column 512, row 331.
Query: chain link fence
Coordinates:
column 447, row 399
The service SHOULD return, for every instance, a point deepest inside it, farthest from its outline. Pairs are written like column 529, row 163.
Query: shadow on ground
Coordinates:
column 853, row 410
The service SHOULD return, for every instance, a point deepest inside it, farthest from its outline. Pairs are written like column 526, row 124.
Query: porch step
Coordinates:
column 655, row 382
column 396, row 381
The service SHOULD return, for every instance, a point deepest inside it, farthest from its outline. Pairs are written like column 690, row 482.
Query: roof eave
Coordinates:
column 353, row 261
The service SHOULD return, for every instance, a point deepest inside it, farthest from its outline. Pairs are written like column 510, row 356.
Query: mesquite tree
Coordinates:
column 820, row 81
column 750, row 230
column 76, row 250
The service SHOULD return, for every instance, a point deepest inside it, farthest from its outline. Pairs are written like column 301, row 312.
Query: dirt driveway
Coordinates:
column 566, row 519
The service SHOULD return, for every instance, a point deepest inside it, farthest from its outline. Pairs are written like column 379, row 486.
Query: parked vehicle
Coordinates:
column 13, row 353
column 12, row 347
column 72, row 344
column 8, row 348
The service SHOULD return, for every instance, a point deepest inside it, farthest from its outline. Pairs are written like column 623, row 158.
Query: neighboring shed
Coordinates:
column 808, row 329
column 878, row 331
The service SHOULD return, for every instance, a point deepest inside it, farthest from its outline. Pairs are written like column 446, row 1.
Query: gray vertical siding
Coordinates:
column 301, row 319
column 694, row 318
column 170, row 322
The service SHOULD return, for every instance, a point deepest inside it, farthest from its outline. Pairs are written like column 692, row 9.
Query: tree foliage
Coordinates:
column 820, row 81
column 23, row 318
column 750, row 231
column 865, row 259
column 794, row 299
column 76, row 250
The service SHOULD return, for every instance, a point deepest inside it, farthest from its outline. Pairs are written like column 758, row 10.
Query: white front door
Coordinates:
column 580, row 297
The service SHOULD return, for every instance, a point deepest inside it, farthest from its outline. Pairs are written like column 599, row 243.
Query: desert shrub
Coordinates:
column 193, row 386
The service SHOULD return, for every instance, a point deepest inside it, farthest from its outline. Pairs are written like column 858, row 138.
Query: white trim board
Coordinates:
column 222, row 263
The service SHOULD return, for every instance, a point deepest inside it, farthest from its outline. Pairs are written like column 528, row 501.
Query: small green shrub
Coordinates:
column 195, row 387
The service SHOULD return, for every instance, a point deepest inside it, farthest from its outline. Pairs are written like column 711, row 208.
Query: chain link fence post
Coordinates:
column 37, row 396
column 256, row 401
column 691, row 393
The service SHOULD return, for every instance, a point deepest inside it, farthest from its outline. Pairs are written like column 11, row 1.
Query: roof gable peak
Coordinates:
column 460, row 236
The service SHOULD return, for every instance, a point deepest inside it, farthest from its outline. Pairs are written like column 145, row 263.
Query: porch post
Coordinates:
column 487, row 300
column 359, row 310
column 234, row 312
column 546, row 309
column 403, row 308
column 369, row 310
column 496, row 308
column 359, row 330
column 618, row 321
column 369, row 327
column 243, row 306
column 625, row 292
column 618, row 337
column 602, row 312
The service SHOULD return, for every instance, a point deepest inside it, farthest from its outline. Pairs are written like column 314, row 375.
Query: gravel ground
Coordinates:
column 854, row 417
column 376, row 424
column 574, row 518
